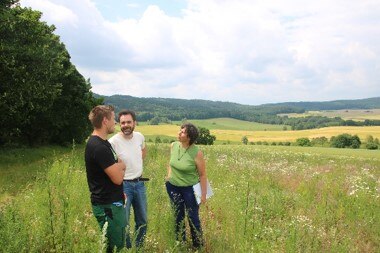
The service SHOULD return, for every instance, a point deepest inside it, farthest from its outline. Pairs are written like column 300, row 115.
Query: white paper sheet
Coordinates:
column 198, row 191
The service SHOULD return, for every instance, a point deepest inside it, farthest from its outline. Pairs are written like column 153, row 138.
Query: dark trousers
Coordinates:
column 183, row 200
column 113, row 216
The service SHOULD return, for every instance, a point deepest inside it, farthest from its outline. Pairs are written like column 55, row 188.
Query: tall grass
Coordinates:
column 20, row 167
column 265, row 199
column 54, row 214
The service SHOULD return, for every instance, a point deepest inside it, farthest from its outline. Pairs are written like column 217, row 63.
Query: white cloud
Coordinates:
column 53, row 12
column 243, row 51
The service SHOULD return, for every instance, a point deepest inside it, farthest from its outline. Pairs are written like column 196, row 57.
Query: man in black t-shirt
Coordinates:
column 105, row 174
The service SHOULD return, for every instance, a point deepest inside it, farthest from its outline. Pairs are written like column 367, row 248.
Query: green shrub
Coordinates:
column 345, row 141
column 303, row 142
column 371, row 145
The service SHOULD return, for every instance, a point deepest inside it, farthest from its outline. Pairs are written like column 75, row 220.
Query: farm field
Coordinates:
column 277, row 136
column 357, row 115
column 266, row 199
column 233, row 124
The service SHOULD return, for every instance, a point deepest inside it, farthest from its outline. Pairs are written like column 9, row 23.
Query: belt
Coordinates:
column 136, row 179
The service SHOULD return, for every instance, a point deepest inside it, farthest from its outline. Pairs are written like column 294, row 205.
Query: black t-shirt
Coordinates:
column 99, row 155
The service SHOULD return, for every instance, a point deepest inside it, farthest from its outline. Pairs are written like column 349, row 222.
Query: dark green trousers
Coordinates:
column 114, row 217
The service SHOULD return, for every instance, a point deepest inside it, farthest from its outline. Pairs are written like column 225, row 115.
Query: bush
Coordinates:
column 345, row 141
column 244, row 140
column 371, row 145
column 304, row 142
column 319, row 141
column 205, row 137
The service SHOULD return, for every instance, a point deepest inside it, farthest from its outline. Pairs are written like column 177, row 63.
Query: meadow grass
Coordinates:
column 20, row 166
column 266, row 199
column 226, row 123
column 233, row 124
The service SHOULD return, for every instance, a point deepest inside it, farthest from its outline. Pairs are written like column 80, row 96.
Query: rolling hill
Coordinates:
column 178, row 109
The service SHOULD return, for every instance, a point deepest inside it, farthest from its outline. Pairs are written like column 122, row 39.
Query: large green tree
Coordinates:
column 43, row 98
column 205, row 137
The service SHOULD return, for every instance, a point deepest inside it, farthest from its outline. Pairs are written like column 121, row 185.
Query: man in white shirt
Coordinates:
column 130, row 148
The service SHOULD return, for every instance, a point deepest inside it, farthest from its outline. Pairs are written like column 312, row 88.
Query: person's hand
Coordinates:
column 203, row 200
column 121, row 161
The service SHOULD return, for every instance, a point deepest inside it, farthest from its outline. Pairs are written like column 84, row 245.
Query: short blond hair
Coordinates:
column 98, row 113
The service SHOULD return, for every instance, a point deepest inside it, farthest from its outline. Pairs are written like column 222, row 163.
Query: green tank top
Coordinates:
column 182, row 163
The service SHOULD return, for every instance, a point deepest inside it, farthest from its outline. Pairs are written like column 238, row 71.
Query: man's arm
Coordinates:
column 116, row 172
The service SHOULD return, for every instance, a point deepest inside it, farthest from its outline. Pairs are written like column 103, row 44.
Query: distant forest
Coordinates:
column 156, row 110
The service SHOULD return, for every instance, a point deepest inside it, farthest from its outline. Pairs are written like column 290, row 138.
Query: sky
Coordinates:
column 244, row 51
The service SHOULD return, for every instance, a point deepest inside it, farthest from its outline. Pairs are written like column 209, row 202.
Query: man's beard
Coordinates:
column 128, row 130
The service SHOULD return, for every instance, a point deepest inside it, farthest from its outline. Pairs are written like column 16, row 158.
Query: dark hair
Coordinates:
column 191, row 131
column 98, row 113
column 127, row 112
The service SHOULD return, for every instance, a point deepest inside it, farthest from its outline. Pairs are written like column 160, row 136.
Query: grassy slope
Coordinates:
column 233, row 124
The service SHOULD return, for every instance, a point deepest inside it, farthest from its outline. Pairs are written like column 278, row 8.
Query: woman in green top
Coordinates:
column 186, row 168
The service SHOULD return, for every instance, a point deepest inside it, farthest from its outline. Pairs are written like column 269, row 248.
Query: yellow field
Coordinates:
column 357, row 115
column 236, row 135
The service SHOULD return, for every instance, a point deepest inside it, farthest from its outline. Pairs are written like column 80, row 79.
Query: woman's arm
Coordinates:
column 169, row 169
column 201, row 167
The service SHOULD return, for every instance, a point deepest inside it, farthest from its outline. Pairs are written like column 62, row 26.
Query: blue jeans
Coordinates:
column 136, row 197
column 183, row 199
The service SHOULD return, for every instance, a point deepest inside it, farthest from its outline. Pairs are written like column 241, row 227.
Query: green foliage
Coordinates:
column 319, row 141
column 154, row 121
column 244, row 140
column 345, row 141
column 205, row 137
column 157, row 120
column 157, row 140
column 303, row 142
column 43, row 98
column 372, row 143
column 367, row 103
column 4, row 4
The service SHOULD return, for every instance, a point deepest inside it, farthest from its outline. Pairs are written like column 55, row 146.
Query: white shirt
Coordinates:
column 130, row 151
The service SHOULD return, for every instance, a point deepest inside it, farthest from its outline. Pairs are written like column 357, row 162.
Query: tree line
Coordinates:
column 340, row 141
column 163, row 110
column 43, row 97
